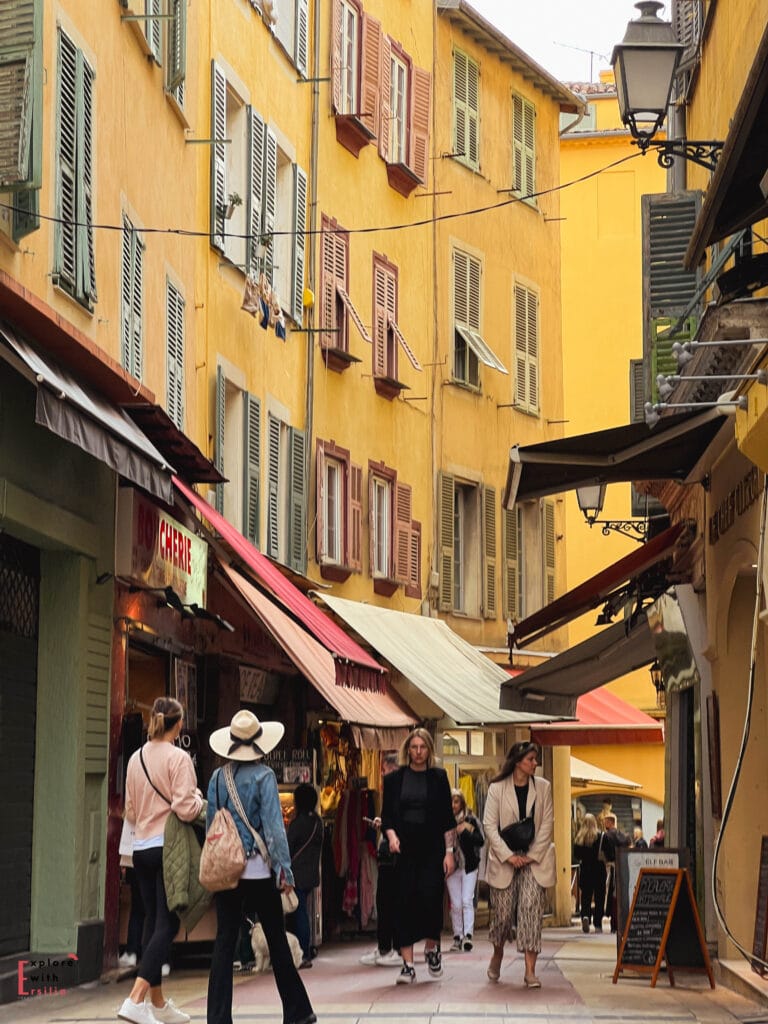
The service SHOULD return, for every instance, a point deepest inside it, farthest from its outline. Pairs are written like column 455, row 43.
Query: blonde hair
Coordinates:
column 462, row 799
column 588, row 832
column 166, row 713
column 422, row 734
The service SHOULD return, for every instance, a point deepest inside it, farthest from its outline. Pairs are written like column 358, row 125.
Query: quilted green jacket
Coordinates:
column 181, row 868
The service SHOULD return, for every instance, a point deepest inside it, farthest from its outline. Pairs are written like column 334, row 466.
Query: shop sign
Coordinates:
column 156, row 551
column 734, row 504
column 291, row 766
column 256, row 686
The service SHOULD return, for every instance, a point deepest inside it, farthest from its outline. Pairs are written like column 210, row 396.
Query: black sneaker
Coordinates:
column 456, row 947
column 468, row 942
column 435, row 963
column 585, row 925
column 406, row 975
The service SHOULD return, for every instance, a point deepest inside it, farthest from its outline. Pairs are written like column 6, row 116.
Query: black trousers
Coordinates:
column 593, row 888
column 262, row 895
column 386, row 897
column 160, row 925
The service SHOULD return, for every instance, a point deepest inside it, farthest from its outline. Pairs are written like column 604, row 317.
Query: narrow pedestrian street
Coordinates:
column 576, row 973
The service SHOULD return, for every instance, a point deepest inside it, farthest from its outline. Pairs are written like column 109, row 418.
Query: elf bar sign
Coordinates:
column 157, row 551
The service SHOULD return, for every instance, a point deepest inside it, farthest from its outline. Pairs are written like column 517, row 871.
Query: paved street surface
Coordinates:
column 575, row 970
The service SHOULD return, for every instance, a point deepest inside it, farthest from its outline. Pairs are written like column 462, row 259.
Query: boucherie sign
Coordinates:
column 156, row 551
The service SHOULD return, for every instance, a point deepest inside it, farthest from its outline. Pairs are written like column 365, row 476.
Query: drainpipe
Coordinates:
column 312, row 249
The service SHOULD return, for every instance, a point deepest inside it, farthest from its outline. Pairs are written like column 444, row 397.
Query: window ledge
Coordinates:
column 388, row 387
column 463, row 385
column 384, row 587
column 352, row 133
column 402, row 179
column 338, row 359
column 335, row 573
column 178, row 111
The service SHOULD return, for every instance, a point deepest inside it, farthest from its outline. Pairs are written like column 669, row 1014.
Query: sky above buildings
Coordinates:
column 572, row 40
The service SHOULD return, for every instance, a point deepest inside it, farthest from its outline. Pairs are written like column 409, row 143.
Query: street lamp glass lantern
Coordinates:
column 591, row 498
column 644, row 66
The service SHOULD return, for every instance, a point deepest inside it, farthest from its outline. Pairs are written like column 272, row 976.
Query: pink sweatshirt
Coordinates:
column 173, row 773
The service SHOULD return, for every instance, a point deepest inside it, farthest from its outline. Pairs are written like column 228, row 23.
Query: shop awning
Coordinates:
column 187, row 459
column 460, row 681
column 354, row 666
column 596, row 589
column 583, row 773
column 553, row 687
column 633, row 452
column 364, row 707
column 601, row 718
column 82, row 417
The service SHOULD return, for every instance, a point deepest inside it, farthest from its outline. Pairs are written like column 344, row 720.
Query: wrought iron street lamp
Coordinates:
column 644, row 68
column 591, row 498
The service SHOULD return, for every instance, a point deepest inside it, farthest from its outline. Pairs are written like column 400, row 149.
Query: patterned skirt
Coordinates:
column 517, row 912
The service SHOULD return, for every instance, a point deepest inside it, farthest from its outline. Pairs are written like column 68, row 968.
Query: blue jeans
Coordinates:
column 299, row 920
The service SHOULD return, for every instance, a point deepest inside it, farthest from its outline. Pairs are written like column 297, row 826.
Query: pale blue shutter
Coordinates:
column 269, row 194
column 175, row 354
column 153, row 28
column 301, row 36
column 299, row 228
column 218, row 155
column 177, row 45
column 218, row 447
column 298, row 503
column 126, row 297
column 252, row 467
column 255, row 187
column 273, row 487
column 137, row 301
column 19, row 70
column 85, row 253
column 65, row 269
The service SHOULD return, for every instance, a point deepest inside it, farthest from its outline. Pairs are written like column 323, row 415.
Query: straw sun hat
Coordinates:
column 246, row 738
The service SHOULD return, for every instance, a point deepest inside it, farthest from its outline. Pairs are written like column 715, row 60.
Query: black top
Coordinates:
column 413, row 797
column 522, row 799
column 305, row 841
column 438, row 811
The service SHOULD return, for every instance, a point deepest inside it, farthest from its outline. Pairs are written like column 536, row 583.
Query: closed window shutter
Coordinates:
column 421, row 88
column 328, row 284
column 298, row 502
column 548, row 533
column 446, row 492
column 86, row 270
column 402, row 552
column 299, row 229
column 371, row 526
column 137, row 302
column 19, row 69
column 177, row 45
column 126, row 297
column 473, row 113
column 532, row 316
column 66, row 249
column 460, row 113
column 374, row 95
column 269, row 193
column 218, row 155
column 413, row 588
column 473, row 296
column 301, row 36
column 517, row 144
column 320, row 498
column 355, row 540
column 526, row 349
column 175, row 354
column 273, row 487
column 636, row 391
column 255, row 186
column 461, row 288
column 252, row 467
column 385, row 110
column 379, row 319
column 153, row 28
column 26, row 212
column 218, row 447
column 511, row 595
column 523, row 146
column 336, row 56
column 489, row 552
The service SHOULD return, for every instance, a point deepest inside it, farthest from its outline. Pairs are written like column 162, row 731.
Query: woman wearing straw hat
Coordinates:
column 244, row 742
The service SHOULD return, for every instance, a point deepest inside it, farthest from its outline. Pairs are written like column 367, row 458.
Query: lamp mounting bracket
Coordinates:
column 704, row 152
column 636, row 529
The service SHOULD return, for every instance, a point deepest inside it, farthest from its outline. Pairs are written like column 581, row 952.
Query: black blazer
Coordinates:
column 440, row 817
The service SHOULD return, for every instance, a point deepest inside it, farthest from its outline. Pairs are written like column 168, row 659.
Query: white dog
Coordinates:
column 261, row 950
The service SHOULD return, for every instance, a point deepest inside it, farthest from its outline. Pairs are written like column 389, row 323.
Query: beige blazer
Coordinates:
column 501, row 809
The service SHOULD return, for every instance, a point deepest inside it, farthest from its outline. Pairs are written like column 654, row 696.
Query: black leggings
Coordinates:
column 160, row 925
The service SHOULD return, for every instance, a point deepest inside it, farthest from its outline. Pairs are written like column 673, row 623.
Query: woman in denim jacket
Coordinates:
column 244, row 742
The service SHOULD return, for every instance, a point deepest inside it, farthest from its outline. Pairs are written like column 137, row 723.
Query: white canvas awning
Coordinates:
column 584, row 772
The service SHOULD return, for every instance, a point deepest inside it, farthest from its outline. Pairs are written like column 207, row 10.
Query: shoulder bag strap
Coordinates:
column 237, row 803
column 303, row 848
column 149, row 780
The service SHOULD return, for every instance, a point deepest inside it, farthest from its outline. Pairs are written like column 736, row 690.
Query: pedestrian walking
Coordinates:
column 586, row 850
column 386, row 953
column 462, row 882
column 305, row 842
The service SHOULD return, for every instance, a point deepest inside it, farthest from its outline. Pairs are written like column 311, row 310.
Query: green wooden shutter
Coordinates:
column 301, row 36
column 489, row 552
column 299, row 229
column 418, row 133
column 153, row 28
column 96, row 684
column 523, row 146
column 548, row 547
column 445, row 519
column 252, row 467
column 26, row 212
column 86, row 270
column 460, row 113
column 175, row 354
column 636, row 391
column 297, row 508
column 131, row 290
column 218, row 155
column 255, row 186
column 20, row 70
column 218, row 447
column 473, row 113
column 177, row 45
column 137, row 303
column 663, row 359
column 65, row 265
column 269, row 204
column 273, row 486
column 511, row 577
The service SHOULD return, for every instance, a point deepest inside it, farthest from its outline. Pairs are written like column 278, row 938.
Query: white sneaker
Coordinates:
column 371, row 959
column 137, row 1013
column 165, row 970
column 126, row 960
column 390, row 959
column 170, row 1013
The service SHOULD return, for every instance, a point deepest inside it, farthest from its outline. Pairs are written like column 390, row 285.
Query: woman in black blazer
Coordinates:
column 417, row 819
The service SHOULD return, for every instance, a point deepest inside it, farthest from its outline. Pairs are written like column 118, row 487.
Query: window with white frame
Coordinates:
column 523, row 148
column 526, row 309
column 469, row 346
column 381, row 526
column 395, row 537
column 131, row 301
column 333, row 519
column 174, row 308
column 339, row 511
column 349, row 52
column 398, row 109
column 466, row 109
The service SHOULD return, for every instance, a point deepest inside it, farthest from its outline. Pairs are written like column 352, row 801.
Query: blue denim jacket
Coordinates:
column 257, row 787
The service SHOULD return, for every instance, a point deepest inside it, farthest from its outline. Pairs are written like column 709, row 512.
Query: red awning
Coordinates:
column 354, row 666
column 601, row 717
column 595, row 590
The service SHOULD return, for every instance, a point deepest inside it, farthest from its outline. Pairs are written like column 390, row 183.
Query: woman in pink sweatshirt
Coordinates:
column 160, row 779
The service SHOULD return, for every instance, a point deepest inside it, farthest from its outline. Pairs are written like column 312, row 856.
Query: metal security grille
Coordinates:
column 19, row 587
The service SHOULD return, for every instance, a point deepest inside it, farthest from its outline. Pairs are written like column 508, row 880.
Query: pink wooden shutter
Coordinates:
column 320, row 491
column 336, row 56
column 355, row 524
column 328, row 284
column 379, row 319
column 402, row 552
column 385, row 118
column 370, row 68
column 418, row 152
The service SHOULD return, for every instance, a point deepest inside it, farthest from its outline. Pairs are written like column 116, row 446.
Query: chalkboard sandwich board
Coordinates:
column 663, row 927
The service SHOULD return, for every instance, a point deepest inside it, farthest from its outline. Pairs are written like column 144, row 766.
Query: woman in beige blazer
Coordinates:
column 518, row 879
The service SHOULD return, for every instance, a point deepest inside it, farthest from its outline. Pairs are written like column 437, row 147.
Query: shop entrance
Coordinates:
column 19, row 603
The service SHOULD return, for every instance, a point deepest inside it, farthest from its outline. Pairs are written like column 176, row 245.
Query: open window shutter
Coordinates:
column 521, row 347
column 255, row 185
column 86, row 268
column 218, row 447
column 473, row 113
column 374, row 94
column 175, row 354
column 298, row 502
column 421, row 87
column 529, row 148
column 473, row 294
column 548, row 534
column 153, row 28
column 269, row 194
column 218, row 155
column 177, row 45
column 532, row 318
column 446, row 491
column 252, row 466
column 518, row 144
column 65, row 266
column 379, row 320
column 273, row 486
column 320, row 499
column 355, row 540
column 511, row 595
column 18, row 72
column 126, row 298
column 301, row 36
column 328, row 285
column 336, row 56
column 390, row 357
column 413, row 588
column 461, row 288
column 385, row 110
column 636, row 391
column 299, row 229
column 26, row 212
column 137, row 298
column 460, row 113
column 402, row 552
column 489, row 552
column 371, row 525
